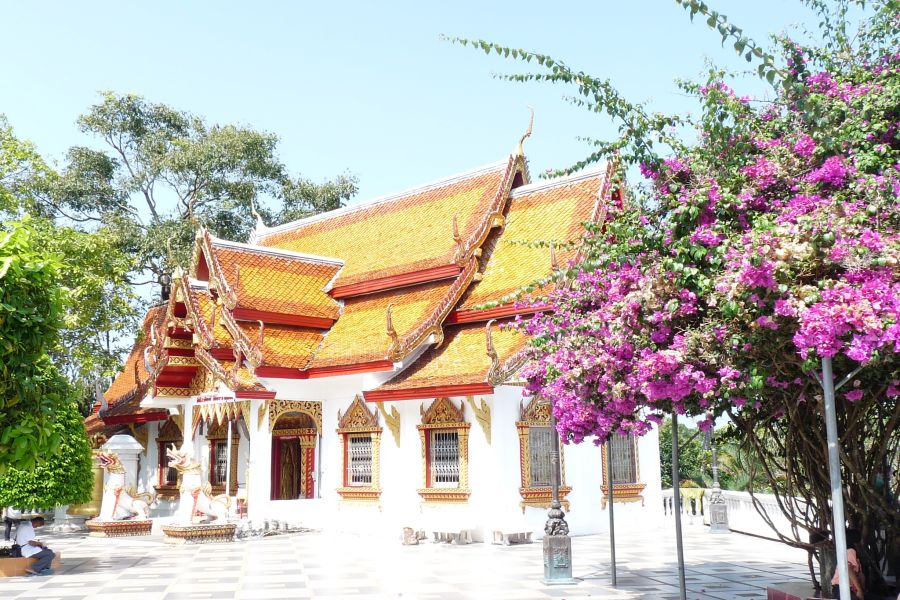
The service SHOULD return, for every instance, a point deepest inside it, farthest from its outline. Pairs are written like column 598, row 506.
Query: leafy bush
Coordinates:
column 62, row 478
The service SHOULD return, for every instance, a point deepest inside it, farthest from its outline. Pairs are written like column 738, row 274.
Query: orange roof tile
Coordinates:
column 134, row 374
column 551, row 211
column 246, row 381
column 283, row 346
column 462, row 359
column 200, row 306
column 94, row 425
column 360, row 334
column 267, row 280
column 408, row 232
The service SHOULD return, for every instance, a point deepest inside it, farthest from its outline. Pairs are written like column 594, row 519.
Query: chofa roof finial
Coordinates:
column 520, row 149
column 261, row 226
column 489, row 343
column 389, row 324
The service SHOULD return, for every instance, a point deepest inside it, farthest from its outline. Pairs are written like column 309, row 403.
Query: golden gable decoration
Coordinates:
column 357, row 418
column 310, row 408
column 441, row 413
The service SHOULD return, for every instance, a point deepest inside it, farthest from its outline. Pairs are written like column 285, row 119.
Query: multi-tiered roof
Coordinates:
column 396, row 284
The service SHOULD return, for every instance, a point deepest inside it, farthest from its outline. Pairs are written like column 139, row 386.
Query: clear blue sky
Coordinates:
column 364, row 87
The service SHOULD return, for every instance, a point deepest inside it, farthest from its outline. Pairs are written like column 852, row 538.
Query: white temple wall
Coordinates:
column 494, row 476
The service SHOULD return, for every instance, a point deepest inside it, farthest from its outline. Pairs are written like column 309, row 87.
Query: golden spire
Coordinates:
column 520, row 149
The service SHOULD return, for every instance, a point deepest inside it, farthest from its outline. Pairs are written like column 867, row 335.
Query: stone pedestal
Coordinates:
column 98, row 528
column 718, row 511
column 718, row 518
column 203, row 533
column 558, row 560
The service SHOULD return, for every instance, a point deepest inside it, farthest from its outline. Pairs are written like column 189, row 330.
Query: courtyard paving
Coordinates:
column 328, row 566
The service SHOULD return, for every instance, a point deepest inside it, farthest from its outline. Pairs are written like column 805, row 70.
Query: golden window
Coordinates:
column 444, row 435
column 536, row 439
column 360, row 438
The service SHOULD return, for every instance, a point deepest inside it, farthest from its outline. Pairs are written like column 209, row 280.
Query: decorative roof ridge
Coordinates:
column 198, row 320
column 514, row 164
column 252, row 351
column 433, row 324
column 379, row 200
column 278, row 252
column 540, row 186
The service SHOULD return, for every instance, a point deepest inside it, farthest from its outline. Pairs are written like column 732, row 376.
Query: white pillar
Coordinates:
column 259, row 476
column 128, row 449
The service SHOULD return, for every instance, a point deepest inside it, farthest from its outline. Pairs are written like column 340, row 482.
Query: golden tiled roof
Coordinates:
column 405, row 233
column 246, row 381
column 200, row 308
column 283, row 346
column 552, row 212
column 134, row 374
column 462, row 359
column 278, row 283
column 360, row 334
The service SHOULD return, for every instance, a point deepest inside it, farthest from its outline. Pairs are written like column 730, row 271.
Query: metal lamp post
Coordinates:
column 557, row 543
column 718, row 510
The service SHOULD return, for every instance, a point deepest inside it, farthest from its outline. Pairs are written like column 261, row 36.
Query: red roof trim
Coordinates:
column 435, row 391
column 140, row 418
column 223, row 353
column 396, row 281
column 368, row 367
column 180, row 351
column 255, row 395
column 280, row 373
column 274, row 318
column 498, row 312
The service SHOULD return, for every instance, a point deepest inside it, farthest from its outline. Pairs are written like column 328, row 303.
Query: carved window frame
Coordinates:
column 443, row 415
column 169, row 433
column 623, row 492
column 359, row 421
column 537, row 414
column 218, row 434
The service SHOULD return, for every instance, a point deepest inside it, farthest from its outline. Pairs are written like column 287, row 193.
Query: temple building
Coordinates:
column 353, row 371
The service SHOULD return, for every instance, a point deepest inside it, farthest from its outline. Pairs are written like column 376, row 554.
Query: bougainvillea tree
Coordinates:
column 768, row 242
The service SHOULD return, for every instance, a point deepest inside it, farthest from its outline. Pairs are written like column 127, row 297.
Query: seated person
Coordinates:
column 857, row 580
column 32, row 548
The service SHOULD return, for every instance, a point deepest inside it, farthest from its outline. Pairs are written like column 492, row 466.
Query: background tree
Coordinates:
column 101, row 303
column 692, row 457
column 62, row 478
column 165, row 171
column 112, row 214
column 769, row 242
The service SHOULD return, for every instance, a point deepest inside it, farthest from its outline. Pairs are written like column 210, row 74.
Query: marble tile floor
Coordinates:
column 343, row 567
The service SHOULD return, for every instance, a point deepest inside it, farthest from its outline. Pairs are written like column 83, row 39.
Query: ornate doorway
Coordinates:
column 293, row 456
